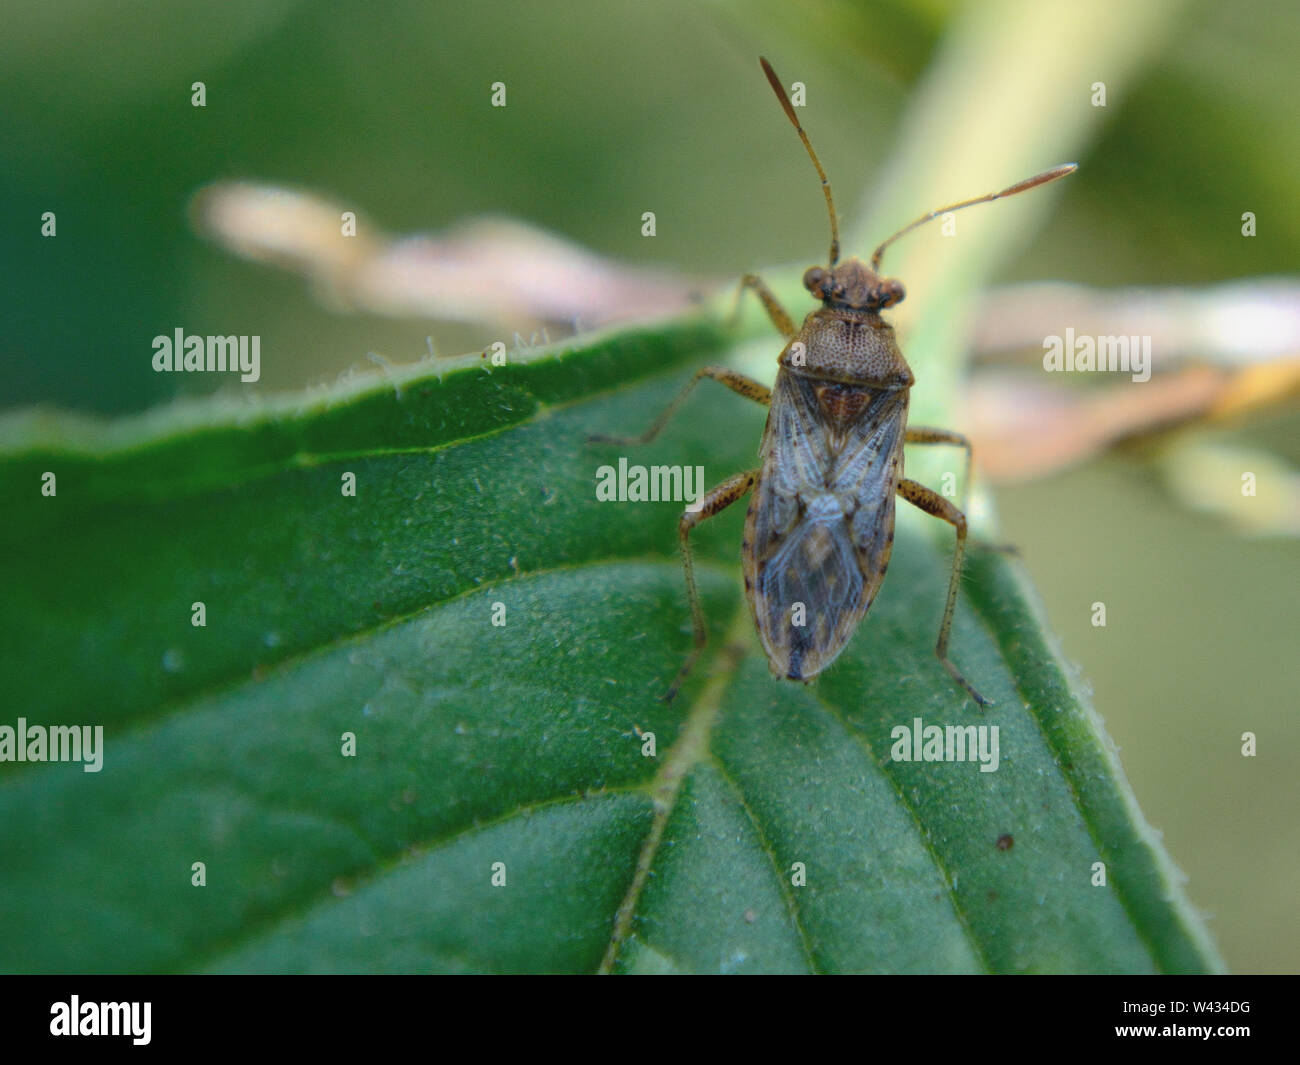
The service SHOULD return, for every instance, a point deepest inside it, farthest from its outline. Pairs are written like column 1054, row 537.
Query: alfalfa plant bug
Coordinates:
column 820, row 528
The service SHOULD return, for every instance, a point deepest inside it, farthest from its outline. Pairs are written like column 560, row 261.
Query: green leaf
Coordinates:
column 519, row 744
column 771, row 830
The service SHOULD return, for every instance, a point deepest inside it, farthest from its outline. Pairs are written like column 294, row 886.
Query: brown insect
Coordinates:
column 820, row 528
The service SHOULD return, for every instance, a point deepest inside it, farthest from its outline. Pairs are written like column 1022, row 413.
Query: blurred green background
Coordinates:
column 618, row 108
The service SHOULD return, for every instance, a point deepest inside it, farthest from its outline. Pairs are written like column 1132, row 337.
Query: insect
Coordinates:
column 820, row 527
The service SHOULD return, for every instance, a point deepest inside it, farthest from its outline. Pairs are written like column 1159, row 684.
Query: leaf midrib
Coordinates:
column 691, row 747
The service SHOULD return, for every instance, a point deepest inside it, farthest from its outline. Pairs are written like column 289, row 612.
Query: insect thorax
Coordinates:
column 854, row 347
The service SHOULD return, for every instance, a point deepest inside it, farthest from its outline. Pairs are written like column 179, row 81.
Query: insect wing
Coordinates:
column 821, row 522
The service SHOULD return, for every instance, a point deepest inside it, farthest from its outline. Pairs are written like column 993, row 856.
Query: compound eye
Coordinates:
column 813, row 278
column 891, row 292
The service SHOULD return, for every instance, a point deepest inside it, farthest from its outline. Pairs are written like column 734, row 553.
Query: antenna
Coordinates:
column 779, row 89
column 1020, row 186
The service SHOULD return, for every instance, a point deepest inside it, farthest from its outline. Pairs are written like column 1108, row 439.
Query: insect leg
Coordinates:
column 944, row 436
column 737, row 382
column 935, row 505
column 782, row 321
column 947, row 436
column 716, row 500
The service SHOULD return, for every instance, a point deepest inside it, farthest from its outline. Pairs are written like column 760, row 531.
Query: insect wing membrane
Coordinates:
column 822, row 518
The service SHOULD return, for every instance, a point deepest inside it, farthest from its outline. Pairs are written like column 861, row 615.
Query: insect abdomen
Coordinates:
column 819, row 527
